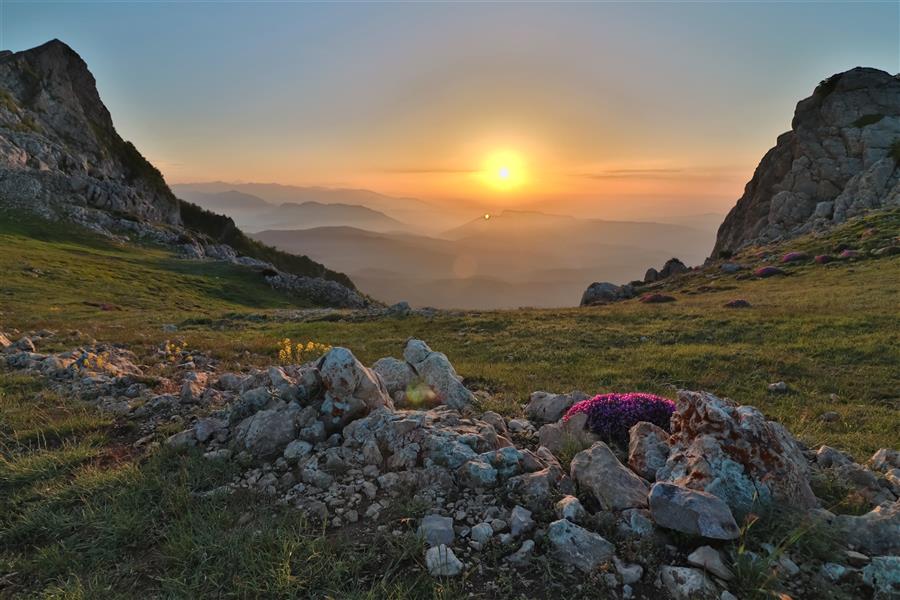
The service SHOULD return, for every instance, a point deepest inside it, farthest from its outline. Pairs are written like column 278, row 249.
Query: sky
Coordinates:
column 609, row 108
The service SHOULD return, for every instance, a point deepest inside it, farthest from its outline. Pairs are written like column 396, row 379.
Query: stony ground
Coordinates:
column 161, row 439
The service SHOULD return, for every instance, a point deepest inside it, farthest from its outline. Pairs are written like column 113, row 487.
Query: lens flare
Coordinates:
column 504, row 170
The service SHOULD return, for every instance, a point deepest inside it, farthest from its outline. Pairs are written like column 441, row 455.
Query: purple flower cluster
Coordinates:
column 611, row 415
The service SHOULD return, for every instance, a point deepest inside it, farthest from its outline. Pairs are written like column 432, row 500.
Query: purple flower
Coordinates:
column 794, row 257
column 768, row 272
column 611, row 415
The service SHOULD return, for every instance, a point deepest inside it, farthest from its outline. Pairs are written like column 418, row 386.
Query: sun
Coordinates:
column 503, row 170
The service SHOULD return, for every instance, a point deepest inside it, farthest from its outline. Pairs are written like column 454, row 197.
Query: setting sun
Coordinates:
column 503, row 170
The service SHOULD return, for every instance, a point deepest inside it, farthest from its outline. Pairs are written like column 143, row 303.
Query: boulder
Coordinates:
column 672, row 267
column 435, row 370
column 876, row 532
column 604, row 292
column 651, row 275
column 567, row 434
column 648, row 449
column 266, row 433
column 535, row 490
column 396, row 374
column 885, row 459
column 883, row 576
column 734, row 453
column 570, row 508
column 352, row 390
column 576, row 546
column 691, row 511
column 545, row 407
column 598, row 471
column 520, row 521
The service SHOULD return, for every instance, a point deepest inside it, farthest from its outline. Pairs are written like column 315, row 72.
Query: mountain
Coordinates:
column 61, row 158
column 513, row 259
column 229, row 202
column 275, row 193
column 840, row 159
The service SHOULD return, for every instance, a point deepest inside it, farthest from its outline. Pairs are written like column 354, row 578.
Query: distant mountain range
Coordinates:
column 515, row 258
column 255, row 213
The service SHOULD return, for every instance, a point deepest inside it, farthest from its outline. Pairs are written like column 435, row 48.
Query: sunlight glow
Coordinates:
column 503, row 170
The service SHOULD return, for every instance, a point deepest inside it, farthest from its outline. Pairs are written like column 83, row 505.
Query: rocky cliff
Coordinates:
column 839, row 160
column 61, row 157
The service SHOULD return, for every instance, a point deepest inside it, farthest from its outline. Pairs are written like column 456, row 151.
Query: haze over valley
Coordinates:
column 405, row 249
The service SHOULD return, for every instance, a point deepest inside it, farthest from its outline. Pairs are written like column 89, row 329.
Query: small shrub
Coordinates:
column 867, row 120
column 611, row 415
column 826, row 86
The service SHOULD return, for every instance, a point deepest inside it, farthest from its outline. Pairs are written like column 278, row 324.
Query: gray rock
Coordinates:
column 442, row 562
column 570, row 508
column 630, row 573
column 566, row 435
column 876, row 532
column 266, row 433
column 684, row 583
column 709, row 559
column 436, row 530
column 692, row 512
column 885, row 459
column 883, row 575
column 598, row 471
column 204, row 429
column 520, row 521
column 604, row 292
column 436, row 371
column 648, row 449
column 833, row 572
column 482, row 532
column 545, row 407
column 577, row 546
column 523, row 555
column 352, row 389
column 296, row 450
column 396, row 374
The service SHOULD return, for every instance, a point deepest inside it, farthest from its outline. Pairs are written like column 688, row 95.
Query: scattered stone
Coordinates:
column 691, row 511
column 876, row 533
column 656, row 298
column 567, row 433
column 436, row 530
column 442, row 562
column 709, row 559
column 856, row 559
column 522, row 556
column 779, row 387
column 833, row 572
column 520, row 521
column 481, row 533
column 885, row 459
column 684, row 583
column 830, row 417
column 614, row 486
column 738, row 303
column 630, row 573
column 824, row 259
column 731, row 268
column 576, row 546
column 570, row 508
column 764, row 272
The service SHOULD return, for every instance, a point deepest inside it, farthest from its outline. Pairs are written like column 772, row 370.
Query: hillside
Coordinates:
column 61, row 158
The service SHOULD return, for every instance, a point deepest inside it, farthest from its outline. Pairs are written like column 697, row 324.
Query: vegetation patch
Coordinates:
column 867, row 120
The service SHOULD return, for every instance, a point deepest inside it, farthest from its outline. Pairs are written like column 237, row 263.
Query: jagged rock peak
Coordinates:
column 838, row 161
column 58, row 143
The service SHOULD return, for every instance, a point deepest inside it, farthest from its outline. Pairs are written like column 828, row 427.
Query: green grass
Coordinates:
column 83, row 516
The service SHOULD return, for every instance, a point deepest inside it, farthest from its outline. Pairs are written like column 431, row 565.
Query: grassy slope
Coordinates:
column 80, row 518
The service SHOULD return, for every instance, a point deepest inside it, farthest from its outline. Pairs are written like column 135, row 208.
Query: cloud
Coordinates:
column 427, row 170
column 705, row 173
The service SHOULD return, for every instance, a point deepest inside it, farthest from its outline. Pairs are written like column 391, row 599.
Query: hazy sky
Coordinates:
column 623, row 107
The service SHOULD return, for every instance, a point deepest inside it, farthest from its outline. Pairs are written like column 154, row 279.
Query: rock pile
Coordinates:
column 346, row 444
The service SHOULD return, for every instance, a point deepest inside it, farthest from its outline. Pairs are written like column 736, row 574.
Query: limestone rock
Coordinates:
column 648, row 449
column 577, row 546
column 442, row 562
column 709, row 559
column 602, row 293
column 692, row 511
column 396, row 374
column 570, row 508
column 567, row 434
column 266, row 433
column 545, row 407
column 435, row 369
column 876, row 532
column 883, row 575
column 734, row 453
column 684, row 583
column 352, row 389
column 831, row 166
column 598, row 471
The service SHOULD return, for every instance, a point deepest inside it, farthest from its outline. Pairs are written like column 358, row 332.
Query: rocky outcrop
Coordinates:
column 62, row 158
column 605, row 292
column 839, row 160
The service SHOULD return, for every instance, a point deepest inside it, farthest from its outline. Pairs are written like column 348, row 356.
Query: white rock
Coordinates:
column 520, row 521
column 437, row 530
column 481, row 533
column 598, row 471
column 577, row 546
column 441, row 562
column 684, row 583
column 709, row 559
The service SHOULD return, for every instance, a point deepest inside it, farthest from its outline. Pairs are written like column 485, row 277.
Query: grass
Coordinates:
column 83, row 516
